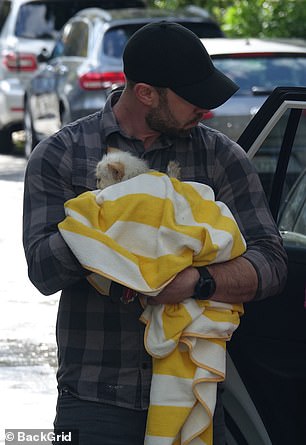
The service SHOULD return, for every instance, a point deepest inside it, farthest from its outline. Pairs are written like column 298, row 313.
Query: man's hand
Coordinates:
column 179, row 289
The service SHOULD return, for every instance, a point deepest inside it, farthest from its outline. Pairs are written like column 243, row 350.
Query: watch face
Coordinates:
column 206, row 288
column 206, row 285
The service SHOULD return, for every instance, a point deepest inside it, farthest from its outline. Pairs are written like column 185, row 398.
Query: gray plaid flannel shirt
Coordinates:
column 100, row 340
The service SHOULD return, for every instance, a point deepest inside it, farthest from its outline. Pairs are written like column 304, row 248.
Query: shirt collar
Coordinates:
column 110, row 124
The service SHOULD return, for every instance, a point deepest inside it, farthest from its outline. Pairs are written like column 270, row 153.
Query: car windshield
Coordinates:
column 115, row 38
column 43, row 20
column 260, row 75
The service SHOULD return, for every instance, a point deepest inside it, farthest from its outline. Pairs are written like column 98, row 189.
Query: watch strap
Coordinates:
column 206, row 286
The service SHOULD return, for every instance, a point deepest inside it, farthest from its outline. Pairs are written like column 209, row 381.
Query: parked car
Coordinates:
column 267, row 365
column 86, row 64
column 257, row 66
column 292, row 218
column 27, row 28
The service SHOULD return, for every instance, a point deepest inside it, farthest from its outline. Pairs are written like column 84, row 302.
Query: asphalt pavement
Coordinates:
column 27, row 320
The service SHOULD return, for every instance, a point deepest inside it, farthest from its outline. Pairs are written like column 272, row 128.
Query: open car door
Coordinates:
column 267, row 360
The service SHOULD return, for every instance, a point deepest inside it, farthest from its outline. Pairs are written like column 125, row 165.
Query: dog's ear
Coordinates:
column 117, row 170
column 112, row 150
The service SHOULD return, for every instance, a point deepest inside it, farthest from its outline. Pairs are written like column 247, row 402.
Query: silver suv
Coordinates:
column 28, row 28
column 86, row 64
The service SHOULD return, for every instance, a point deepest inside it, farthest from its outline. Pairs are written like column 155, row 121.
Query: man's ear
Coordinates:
column 117, row 170
column 146, row 94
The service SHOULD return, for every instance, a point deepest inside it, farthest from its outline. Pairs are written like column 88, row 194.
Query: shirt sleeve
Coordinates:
column 238, row 185
column 51, row 265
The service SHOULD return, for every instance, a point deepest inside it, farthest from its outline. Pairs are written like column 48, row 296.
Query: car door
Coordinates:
column 268, row 351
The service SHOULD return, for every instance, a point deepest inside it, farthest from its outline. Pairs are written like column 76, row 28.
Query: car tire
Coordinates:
column 30, row 135
column 6, row 141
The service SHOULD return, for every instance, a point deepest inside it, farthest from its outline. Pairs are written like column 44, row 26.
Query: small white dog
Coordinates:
column 117, row 166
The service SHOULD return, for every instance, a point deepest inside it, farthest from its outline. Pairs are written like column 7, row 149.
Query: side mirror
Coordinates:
column 43, row 56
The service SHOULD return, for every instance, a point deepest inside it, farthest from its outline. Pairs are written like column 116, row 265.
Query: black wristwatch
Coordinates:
column 206, row 286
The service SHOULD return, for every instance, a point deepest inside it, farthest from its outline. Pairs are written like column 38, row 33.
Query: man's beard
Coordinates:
column 160, row 119
column 157, row 123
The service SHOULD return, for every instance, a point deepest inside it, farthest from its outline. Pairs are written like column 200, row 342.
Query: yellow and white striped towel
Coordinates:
column 141, row 233
column 188, row 344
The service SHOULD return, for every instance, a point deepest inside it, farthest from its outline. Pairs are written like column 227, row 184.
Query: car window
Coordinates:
column 300, row 226
column 116, row 37
column 75, row 40
column 35, row 20
column 266, row 158
column 41, row 19
column 293, row 213
column 263, row 72
column 5, row 7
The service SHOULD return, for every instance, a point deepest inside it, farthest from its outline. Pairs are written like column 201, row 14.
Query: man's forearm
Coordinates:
column 236, row 281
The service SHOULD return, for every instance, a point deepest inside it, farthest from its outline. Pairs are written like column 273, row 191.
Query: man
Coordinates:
column 104, row 372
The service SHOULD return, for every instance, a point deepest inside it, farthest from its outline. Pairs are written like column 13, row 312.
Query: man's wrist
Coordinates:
column 205, row 286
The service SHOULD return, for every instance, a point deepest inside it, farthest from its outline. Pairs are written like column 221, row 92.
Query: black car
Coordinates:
column 265, row 390
column 86, row 64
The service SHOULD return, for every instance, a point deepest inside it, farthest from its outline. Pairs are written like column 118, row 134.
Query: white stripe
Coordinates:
column 194, row 310
column 158, row 440
column 145, row 240
column 210, row 328
column 197, row 420
column 172, row 391
column 209, row 354
column 89, row 252
column 77, row 217
column 155, row 339
column 148, row 184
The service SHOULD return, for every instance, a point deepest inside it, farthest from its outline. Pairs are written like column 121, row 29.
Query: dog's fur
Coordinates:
column 117, row 166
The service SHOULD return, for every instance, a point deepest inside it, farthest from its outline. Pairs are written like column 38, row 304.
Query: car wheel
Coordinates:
column 6, row 141
column 30, row 136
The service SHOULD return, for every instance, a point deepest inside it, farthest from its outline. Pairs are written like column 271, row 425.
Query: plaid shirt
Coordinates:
column 100, row 340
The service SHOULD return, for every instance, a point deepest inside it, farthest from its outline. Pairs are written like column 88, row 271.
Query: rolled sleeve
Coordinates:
column 271, row 268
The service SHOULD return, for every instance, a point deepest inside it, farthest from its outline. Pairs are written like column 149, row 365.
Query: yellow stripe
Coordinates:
column 85, row 204
column 157, row 271
column 175, row 318
column 225, row 316
column 164, row 421
column 178, row 363
column 207, row 436
column 206, row 211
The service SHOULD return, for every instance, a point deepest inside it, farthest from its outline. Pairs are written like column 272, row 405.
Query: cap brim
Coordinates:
column 209, row 93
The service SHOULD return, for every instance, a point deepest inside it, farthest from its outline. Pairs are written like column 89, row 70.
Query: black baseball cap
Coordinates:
column 166, row 54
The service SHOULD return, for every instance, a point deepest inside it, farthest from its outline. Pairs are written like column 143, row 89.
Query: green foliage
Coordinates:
column 266, row 18
column 251, row 18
